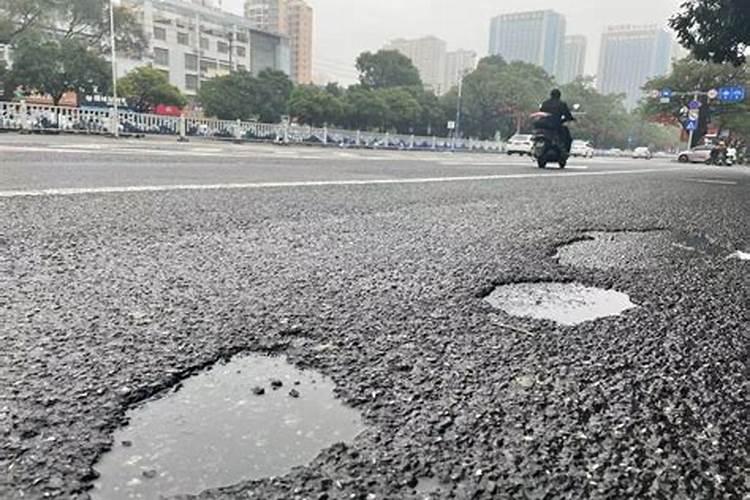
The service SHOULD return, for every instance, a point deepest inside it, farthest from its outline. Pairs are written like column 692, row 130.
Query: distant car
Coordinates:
column 698, row 154
column 582, row 149
column 520, row 144
column 642, row 153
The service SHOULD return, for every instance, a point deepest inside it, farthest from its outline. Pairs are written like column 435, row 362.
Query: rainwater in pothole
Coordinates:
column 565, row 303
column 217, row 431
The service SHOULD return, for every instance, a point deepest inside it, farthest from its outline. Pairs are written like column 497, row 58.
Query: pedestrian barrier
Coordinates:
column 25, row 117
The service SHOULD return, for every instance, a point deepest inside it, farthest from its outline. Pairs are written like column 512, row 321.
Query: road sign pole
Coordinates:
column 692, row 130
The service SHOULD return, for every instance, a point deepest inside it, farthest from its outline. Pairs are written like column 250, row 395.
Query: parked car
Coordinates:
column 642, row 153
column 582, row 149
column 520, row 144
column 699, row 154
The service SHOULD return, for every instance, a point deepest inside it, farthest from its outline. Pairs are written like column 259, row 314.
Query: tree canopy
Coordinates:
column 145, row 87
column 316, row 106
column 86, row 21
column 387, row 68
column 52, row 67
column 714, row 30
column 241, row 96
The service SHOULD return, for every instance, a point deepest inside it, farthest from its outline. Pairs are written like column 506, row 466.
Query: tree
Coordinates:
column 241, row 96
column 689, row 75
column 86, row 21
column 51, row 67
column 229, row 97
column 146, row 87
column 311, row 105
column 364, row 109
column 387, row 68
column 606, row 122
column 272, row 95
column 402, row 110
column 714, row 30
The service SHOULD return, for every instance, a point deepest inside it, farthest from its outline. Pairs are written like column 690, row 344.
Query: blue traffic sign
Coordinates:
column 732, row 94
column 691, row 125
column 667, row 93
column 694, row 105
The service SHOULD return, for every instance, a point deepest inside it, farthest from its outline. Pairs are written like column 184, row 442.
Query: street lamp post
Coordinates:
column 115, row 111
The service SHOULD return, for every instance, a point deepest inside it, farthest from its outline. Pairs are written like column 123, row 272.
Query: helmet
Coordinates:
column 555, row 94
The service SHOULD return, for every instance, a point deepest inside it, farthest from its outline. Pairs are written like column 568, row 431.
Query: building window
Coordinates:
column 161, row 56
column 222, row 47
column 241, row 67
column 208, row 68
column 183, row 38
column 160, row 33
column 225, row 68
column 191, row 62
column 191, row 82
column 204, row 43
column 241, row 51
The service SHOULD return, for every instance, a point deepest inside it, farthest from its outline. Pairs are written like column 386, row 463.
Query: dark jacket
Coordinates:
column 559, row 110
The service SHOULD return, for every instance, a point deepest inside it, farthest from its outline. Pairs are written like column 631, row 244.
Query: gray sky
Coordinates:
column 344, row 28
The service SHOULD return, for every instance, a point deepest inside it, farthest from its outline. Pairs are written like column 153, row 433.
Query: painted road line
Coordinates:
column 712, row 181
column 300, row 184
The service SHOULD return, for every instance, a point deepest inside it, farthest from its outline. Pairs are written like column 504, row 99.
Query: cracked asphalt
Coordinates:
column 110, row 296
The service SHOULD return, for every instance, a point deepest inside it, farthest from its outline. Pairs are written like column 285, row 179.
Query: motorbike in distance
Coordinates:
column 548, row 144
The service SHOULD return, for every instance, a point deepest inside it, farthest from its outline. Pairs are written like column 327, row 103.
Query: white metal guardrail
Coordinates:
column 33, row 117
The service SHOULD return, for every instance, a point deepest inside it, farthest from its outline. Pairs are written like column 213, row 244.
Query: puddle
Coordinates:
column 217, row 431
column 565, row 303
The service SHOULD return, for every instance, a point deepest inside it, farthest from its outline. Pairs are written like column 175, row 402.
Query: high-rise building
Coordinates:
column 191, row 42
column 573, row 61
column 293, row 18
column 300, row 23
column 630, row 56
column 428, row 55
column 534, row 37
column 268, row 15
column 458, row 64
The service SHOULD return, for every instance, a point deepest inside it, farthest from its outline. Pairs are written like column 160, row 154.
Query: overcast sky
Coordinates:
column 344, row 28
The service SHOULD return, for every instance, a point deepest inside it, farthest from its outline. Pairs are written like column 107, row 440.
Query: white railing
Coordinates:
column 32, row 117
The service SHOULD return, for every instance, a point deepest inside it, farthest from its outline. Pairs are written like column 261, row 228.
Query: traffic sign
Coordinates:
column 667, row 92
column 665, row 100
column 694, row 114
column 451, row 125
column 691, row 125
column 713, row 94
column 732, row 94
column 694, row 105
column 654, row 94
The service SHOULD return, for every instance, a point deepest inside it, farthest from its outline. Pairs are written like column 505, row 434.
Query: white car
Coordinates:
column 582, row 149
column 520, row 144
column 642, row 153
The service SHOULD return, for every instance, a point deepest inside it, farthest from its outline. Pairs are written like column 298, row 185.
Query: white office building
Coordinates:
column 194, row 41
column 458, row 63
column 533, row 37
column 428, row 55
column 573, row 61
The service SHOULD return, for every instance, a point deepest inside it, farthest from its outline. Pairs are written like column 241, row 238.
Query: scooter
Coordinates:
column 720, row 160
column 548, row 146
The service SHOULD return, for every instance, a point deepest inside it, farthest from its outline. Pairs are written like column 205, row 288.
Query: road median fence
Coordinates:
column 23, row 117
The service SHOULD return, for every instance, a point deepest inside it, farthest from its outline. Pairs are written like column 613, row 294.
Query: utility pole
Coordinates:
column 458, row 104
column 116, row 116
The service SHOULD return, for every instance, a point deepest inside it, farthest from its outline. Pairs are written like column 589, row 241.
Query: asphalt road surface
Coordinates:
column 125, row 266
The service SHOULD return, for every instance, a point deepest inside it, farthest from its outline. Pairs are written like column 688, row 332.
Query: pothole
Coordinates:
column 609, row 250
column 565, row 303
column 250, row 418
column 635, row 249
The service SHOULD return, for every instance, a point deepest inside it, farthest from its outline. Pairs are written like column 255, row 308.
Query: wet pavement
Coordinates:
column 107, row 299
column 213, row 430
column 565, row 303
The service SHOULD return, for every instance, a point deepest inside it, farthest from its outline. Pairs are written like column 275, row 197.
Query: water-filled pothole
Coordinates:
column 565, row 303
column 250, row 418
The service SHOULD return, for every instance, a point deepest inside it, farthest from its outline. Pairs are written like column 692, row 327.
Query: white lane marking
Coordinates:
column 292, row 184
column 712, row 181
column 739, row 255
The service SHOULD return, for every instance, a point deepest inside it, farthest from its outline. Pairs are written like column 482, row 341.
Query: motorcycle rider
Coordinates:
column 560, row 114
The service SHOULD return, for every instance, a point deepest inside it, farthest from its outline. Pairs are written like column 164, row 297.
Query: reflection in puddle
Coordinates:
column 566, row 303
column 215, row 431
